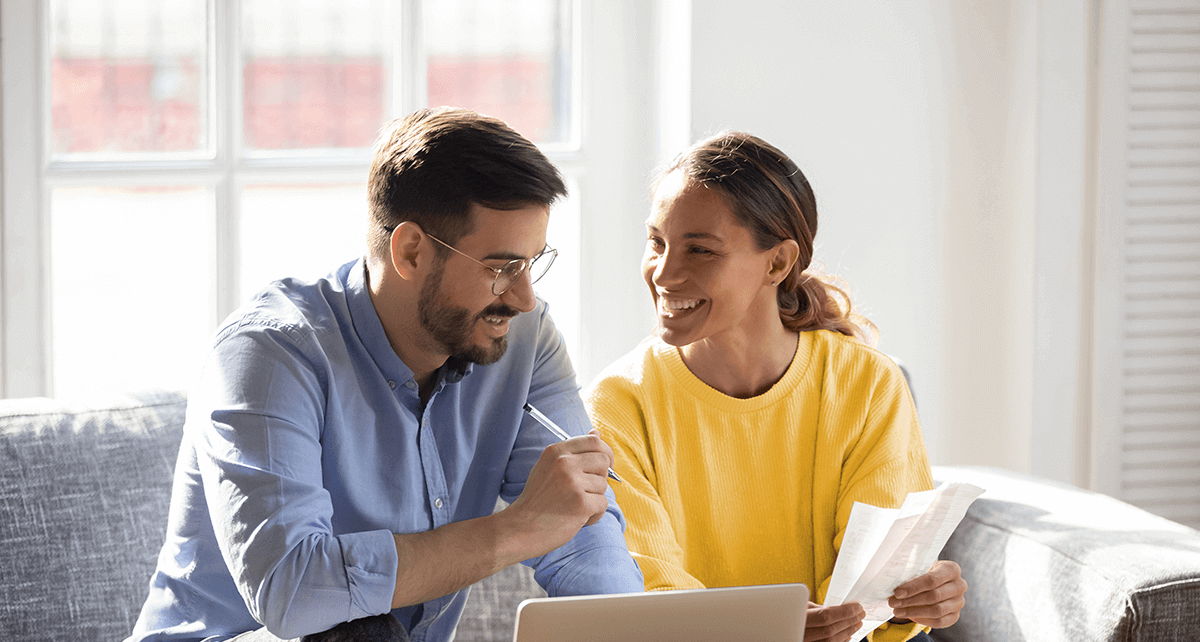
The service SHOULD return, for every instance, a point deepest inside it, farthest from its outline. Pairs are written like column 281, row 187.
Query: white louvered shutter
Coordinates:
column 1160, row 338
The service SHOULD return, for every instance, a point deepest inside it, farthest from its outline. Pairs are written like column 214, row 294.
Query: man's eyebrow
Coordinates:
column 508, row 256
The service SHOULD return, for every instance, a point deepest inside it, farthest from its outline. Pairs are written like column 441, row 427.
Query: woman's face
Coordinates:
column 705, row 274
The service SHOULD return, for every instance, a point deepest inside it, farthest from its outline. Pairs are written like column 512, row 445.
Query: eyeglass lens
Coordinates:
column 509, row 274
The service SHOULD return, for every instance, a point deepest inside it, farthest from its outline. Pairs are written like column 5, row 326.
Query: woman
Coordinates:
column 746, row 430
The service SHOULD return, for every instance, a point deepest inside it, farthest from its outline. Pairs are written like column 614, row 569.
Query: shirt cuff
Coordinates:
column 370, row 561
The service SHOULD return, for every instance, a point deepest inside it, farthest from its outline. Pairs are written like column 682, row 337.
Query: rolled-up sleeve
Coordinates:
column 258, row 444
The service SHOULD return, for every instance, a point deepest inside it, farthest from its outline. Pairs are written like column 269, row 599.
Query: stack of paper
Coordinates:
column 886, row 547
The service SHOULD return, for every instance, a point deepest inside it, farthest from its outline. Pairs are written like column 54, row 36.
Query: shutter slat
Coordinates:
column 1160, row 374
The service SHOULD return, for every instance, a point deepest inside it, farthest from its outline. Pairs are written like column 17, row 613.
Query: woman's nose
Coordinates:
column 664, row 269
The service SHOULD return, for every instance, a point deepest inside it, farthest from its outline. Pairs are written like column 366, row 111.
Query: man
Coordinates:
column 348, row 438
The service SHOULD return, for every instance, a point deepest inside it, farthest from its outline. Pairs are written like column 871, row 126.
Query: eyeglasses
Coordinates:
column 507, row 275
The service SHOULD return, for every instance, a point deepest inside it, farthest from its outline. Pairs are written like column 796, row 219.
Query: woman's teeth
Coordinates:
column 670, row 306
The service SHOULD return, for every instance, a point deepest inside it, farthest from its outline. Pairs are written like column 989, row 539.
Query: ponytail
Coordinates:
column 812, row 301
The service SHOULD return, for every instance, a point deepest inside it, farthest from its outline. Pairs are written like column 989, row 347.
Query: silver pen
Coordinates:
column 558, row 432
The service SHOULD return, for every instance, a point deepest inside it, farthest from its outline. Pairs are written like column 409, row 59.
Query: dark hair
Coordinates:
column 772, row 199
column 430, row 166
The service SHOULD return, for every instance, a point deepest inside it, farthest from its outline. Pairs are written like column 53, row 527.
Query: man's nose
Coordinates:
column 520, row 295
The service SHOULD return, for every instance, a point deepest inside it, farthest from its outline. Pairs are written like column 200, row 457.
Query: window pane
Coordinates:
column 505, row 58
column 127, row 76
column 132, row 291
column 314, row 73
column 299, row 231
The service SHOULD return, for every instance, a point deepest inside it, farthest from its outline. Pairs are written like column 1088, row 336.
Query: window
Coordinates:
column 164, row 159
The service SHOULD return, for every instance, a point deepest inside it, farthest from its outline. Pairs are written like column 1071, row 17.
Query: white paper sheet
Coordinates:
column 886, row 547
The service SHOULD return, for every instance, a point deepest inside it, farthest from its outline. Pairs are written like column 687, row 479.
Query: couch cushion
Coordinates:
column 1049, row 562
column 491, row 612
column 84, row 490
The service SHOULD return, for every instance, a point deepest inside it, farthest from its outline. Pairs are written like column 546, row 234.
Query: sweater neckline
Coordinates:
column 670, row 357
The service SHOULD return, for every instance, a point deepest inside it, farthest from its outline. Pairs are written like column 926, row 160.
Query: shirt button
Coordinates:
column 437, row 503
column 392, row 384
column 412, row 385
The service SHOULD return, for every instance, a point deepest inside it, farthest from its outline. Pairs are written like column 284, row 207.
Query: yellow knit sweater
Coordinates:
column 721, row 491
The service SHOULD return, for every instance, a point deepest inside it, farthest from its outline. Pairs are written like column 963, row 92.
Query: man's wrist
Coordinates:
column 515, row 538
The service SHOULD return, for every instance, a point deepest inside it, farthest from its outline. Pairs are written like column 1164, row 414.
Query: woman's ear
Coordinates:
column 783, row 258
column 407, row 258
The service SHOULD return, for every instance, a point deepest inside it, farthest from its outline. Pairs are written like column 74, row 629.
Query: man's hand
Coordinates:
column 565, row 490
column 832, row 623
column 934, row 599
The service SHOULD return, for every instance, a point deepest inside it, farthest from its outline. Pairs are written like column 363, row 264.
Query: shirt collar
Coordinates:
column 370, row 331
column 368, row 326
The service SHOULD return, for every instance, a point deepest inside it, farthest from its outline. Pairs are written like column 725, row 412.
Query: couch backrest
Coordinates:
column 84, row 490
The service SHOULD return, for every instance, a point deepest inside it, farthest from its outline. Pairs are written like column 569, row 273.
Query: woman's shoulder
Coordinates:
column 626, row 380
column 849, row 356
column 634, row 367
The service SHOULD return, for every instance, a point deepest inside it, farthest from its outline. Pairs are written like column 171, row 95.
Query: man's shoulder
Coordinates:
column 294, row 307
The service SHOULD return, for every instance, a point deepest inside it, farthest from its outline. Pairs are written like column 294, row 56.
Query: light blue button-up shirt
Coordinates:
column 305, row 448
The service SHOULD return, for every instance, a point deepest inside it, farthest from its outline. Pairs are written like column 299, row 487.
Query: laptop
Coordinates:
column 771, row 613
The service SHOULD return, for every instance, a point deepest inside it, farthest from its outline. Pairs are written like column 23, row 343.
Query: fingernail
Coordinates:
column 899, row 612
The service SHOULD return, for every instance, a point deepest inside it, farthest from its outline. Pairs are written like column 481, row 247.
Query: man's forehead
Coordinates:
column 509, row 234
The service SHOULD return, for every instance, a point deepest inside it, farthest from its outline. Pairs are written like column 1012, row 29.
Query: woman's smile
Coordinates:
column 674, row 307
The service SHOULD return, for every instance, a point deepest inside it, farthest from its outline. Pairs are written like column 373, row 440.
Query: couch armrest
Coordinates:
column 1051, row 562
column 84, row 491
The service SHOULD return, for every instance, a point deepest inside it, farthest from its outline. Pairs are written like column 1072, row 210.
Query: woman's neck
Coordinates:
column 742, row 364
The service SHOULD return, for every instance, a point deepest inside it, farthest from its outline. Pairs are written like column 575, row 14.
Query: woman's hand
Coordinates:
column 933, row 599
column 832, row 623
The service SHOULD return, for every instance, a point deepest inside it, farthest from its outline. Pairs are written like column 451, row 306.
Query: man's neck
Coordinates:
column 402, row 327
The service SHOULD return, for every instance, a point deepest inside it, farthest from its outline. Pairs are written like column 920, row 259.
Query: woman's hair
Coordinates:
column 772, row 199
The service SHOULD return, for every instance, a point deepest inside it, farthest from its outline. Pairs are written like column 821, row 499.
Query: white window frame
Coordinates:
column 25, row 342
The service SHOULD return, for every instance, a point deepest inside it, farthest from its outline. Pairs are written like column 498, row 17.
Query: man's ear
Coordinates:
column 783, row 257
column 407, row 257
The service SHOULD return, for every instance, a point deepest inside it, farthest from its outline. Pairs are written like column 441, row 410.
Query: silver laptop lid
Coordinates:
column 771, row 613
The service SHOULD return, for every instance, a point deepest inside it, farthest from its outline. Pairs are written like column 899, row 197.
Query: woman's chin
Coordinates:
column 674, row 337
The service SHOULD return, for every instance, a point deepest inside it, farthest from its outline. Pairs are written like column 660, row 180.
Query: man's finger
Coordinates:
column 598, row 506
column 588, row 443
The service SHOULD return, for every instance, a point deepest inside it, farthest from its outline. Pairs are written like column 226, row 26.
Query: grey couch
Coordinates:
column 85, row 486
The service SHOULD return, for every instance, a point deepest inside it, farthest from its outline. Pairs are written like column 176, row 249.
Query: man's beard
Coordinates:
column 453, row 328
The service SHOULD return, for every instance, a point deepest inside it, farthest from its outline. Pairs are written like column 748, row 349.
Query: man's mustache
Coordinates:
column 499, row 310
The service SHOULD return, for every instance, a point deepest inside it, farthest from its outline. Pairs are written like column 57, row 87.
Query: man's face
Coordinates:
column 456, row 306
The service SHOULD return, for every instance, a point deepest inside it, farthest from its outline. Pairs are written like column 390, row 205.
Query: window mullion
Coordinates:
column 227, row 56
column 24, row 339
column 408, row 66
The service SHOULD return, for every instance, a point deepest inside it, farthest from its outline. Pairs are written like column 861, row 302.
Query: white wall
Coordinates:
column 918, row 125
